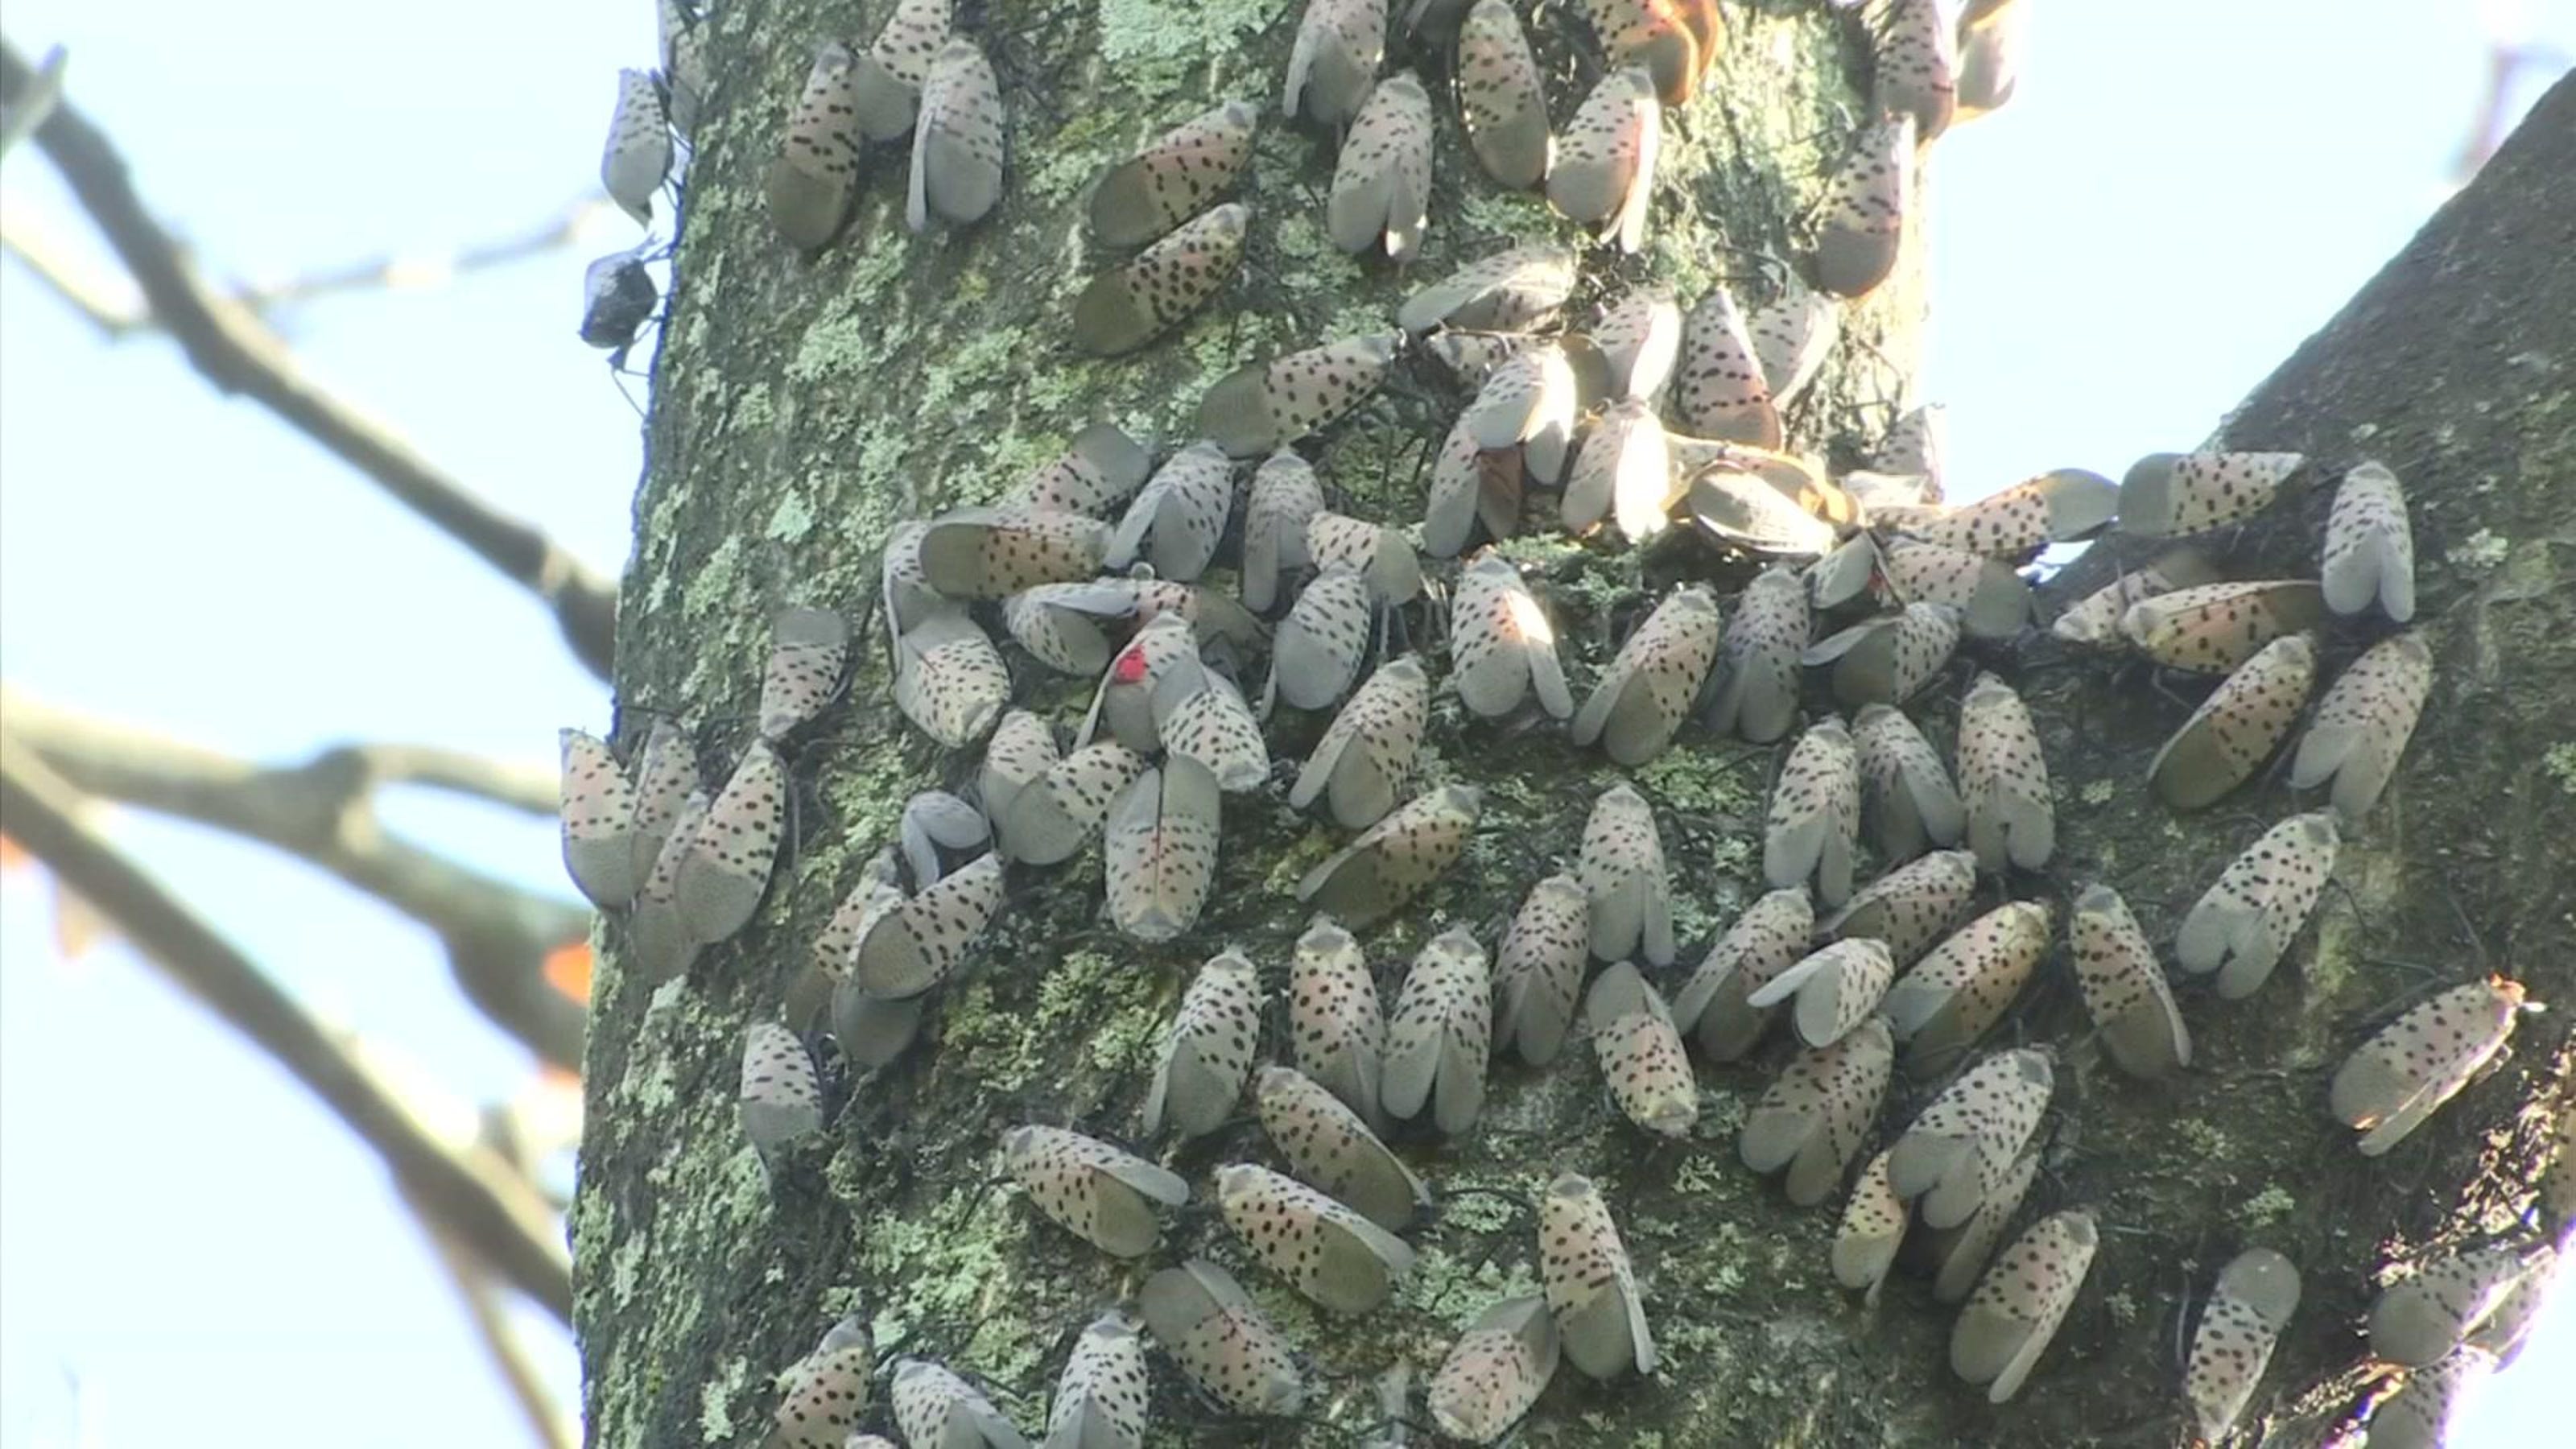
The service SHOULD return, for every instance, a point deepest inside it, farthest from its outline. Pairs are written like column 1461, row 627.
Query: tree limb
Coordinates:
column 323, row 811
column 473, row 1283
column 237, row 352
column 464, row 1190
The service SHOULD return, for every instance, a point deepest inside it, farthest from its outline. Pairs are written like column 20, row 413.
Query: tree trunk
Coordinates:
column 802, row 407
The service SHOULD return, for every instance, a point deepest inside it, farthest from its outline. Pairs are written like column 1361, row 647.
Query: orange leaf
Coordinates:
column 567, row 968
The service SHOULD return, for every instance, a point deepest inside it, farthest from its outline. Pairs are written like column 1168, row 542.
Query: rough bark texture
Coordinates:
column 802, row 407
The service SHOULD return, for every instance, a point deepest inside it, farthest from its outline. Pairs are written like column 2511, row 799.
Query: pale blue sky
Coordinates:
column 2180, row 193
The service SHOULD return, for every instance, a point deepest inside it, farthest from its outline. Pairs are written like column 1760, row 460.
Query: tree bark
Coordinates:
column 802, row 407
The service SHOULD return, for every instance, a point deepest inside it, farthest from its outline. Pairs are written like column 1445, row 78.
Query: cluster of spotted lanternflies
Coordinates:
column 1095, row 567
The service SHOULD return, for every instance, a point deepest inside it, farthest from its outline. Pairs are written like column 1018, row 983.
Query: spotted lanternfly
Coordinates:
column 2419, row 1413
column 1328, row 1145
column 781, row 1101
column 1207, row 1055
column 1125, row 308
column 907, row 945
column 872, row 1030
column 1960, row 1150
column 1915, row 61
column 598, row 821
column 725, row 871
column 949, row 680
column 886, row 93
column 1393, row 860
column 2003, row 779
column 2062, row 506
column 1018, row 755
column 991, row 553
column 1591, row 1287
column 808, row 649
column 1815, row 1117
column 1220, row 1340
column 825, row 1391
column 1872, row 1227
column 1335, row 1027
column 1214, row 727
column 1183, row 509
column 1100, row 1402
column 1285, row 497
column 1538, row 969
column 1317, row 651
column 2505, row 1330
column 2256, row 1294
column 1721, row 390
column 1468, row 356
column 1159, row 664
column 1836, row 988
column 1906, row 792
column 666, row 775
column 1622, row 870
column 2095, row 619
column 1382, row 182
column 1530, row 402
column 1959, row 1255
column 1327, row 1251
column 1263, row 406
column 1915, row 445
column 1604, row 175
column 638, row 154
column 1367, row 752
column 1714, row 1006
column 1888, row 658
column 1637, row 343
column 2166, row 494
column 2009, row 1320
column 1948, row 999
column 1099, row 469
column 956, row 140
column 1740, row 510
column 658, row 944
column 2244, row 921
column 1675, row 40
column 816, row 174
column 683, row 36
column 1508, row 291
column 2124, row 988
column 1641, row 1052
column 2421, row 1319
column 2213, row 628
column 1500, row 97
column 1625, row 471
column 1647, row 690
column 1160, row 847
column 936, row 827
column 2395, row 1080
column 1096, row 1192
column 935, row 1406
column 1990, row 47
column 1049, row 818
column 1910, row 907
column 1382, row 555
column 1470, row 485
column 2236, row 729
column 1756, row 692
column 2370, row 546
column 901, row 585
column 1063, row 625
column 617, row 298
column 1175, row 178
column 1498, row 1368
column 1333, row 65
column 1864, row 220
column 2362, row 726
column 1814, row 819
column 1502, row 646
column 1993, row 601
column 1438, row 1038
column 1791, row 339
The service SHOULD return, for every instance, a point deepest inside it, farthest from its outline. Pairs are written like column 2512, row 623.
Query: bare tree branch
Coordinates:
column 473, row 1283
column 237, row 352
column 464, row 1189
column 496, row 934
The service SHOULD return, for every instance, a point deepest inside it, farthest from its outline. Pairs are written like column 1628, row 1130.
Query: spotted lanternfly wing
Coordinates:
column 638, row 152
column 1815, row 1117
column 1910, row 907
column 1317, row 651
column 1906, row 791
column 683, row 36
column 1220, row 1340
column 1066, row 627
column 1333, row 66
column 873, row 1031
column 2420, row 1412
column 1638, row 342
column 658, row 944
column 1500, row 97
column 1622, row 870
column 2167, row 494
column 887, row 93
column 1440, row 1033
column 1962, row 1146
column 725, row 871
column 1993, row 601
column 2095, row 619
column 1469, row 485
column 825, row 1391
column 1604, row 174
column 1624, row 471
column 2256, row 1294
column 1715, row 1005
column 1641, row 1052
column 1948, row 999
column 1018, row 755
column 934, row 1406
column 956, row 140
column 2236, row 729
column 1814, row 819
column 1285, row 497
column 1509, row 291
column 1501, row 645
column 902, row 586
column 1382, row 555
column 1530, row 401
column 1182, row 510
column 1101, row 1401
column 1674, row 40
column 1126, row 308
column 1721, row 390
column 1990, row 50
column 2363, row 724
column 1160, row 849
column 1538, row 968
column 935, row 825
column 1742, row 511
column 1335, row 1026
column 2422, row 1319
column 1498, row 1368
column 1175, row 178
column 1872, row 1227
column 2061, row 506
column 1887, row 659
column 2010, row 1319
column 1382, row 181
column 2370, row 546
column 1915, row 446
column 1915, row 61
column 1864, row 219
column 949, row 679
column 1591, row 1287
column 1329, row 1253
column 1791, row 339
column 2243, row 923
column 617, row 298
column 781, row 1101
column 991, row 553
column 1098, row 470
column 1756, row 692
column 906, row 946
column 1960, row 1254
column 1161, row 663
column 666, row 775
column 1835, row 988
column 2124, row 988
column 598, row 821
column 1213, row 726
column 1328, row 1145
column 1393, row 860
column 2504, row 1331
column 1468, row 356
column 1051, row 818
column 1096, row 1192
column 2003, row 779
column 2395, row 1080
column 808, row 649
column 2215, row 627
column 1207, row 1054
column 1367, row 752
column 1647, row 690
column 810, row 184
column 1268, row 405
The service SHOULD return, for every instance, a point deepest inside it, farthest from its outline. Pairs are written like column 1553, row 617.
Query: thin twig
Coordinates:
column 473, row 1284
column 466, row 1190
column 237, row 352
